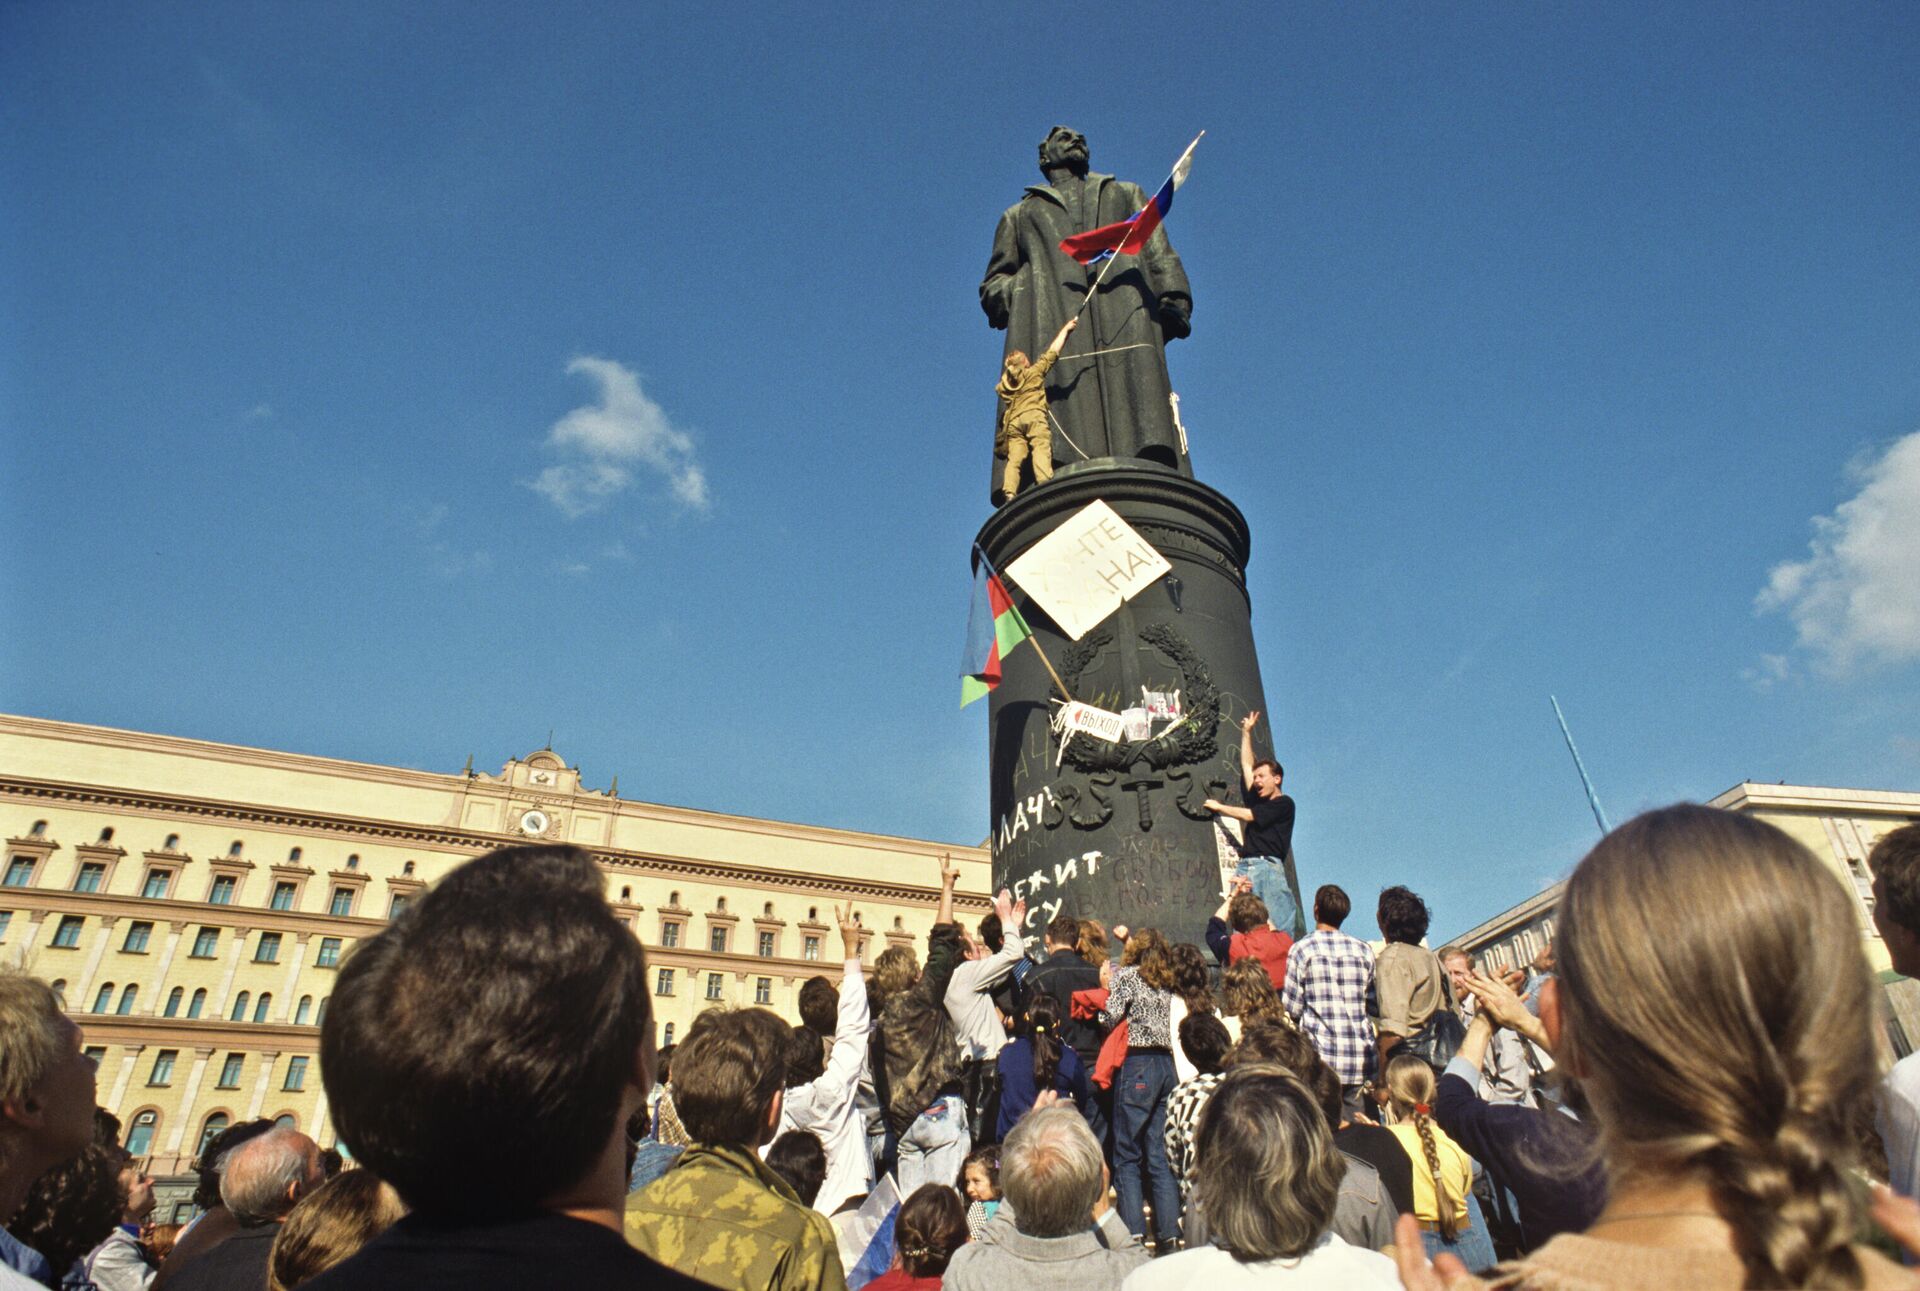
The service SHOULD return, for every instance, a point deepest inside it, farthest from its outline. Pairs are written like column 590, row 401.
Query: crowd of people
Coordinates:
column 1682, row 1090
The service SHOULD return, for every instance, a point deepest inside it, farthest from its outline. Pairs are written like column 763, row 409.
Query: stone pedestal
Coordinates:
column 1116, row 831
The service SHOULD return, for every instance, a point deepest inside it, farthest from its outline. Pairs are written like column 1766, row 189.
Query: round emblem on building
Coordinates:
column 534, row 823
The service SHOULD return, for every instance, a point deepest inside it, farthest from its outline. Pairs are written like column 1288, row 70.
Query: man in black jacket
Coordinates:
column 1060, row 974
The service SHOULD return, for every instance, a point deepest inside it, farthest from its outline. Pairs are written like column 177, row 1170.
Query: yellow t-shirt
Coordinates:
column 1456, row 1170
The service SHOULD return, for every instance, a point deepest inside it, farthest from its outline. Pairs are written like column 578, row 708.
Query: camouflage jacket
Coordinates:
column 720, row 1215
column 917, row 1054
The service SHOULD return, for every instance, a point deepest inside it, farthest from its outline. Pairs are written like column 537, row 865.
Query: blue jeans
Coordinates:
column 1473, row 1245
column 1139, row 1129
column 935, row 1146
column 1274, row 883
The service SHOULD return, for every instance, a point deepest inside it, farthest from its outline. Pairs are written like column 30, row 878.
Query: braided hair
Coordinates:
column 931, row 1227
column 1718, row 1009
column 1410, row 1085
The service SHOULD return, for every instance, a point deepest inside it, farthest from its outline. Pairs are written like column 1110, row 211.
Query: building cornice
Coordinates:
column 1514, row 917
column 464, row 843
column 457, row 784
column 1749, row 795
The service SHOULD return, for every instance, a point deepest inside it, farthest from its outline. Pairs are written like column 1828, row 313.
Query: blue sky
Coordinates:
column 399, row 382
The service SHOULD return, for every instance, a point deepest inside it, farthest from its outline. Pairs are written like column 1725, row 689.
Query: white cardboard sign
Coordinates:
column 1087, row 568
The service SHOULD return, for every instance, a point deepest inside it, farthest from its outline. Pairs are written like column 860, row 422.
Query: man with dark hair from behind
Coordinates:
column 1326, row 993
column 1407, row 998
column 1895, row 862
column 484, row 1055
column 721, row 1214
column 798, row 1157
column 46, row 1107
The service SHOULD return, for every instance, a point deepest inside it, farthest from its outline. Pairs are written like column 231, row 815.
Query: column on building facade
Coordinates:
column 259, row 1098
column 187, row 1097
column 285, row 1012
column 121, row 1081
column 321, row 1131
column 152, row 1007
column 83, row 989
column 22, row 946
column 233, row 967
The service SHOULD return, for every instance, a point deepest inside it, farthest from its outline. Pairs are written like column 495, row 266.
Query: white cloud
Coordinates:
column 608, row 441
column 260, row 412
column 1856, row 598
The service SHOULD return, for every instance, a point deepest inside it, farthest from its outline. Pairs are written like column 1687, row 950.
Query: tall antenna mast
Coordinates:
column 1593, row 800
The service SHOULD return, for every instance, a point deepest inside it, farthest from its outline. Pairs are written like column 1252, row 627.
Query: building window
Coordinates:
column 262, row 1009
column 268, row 951
column 137, row 935
column 60, row 991
column 230, row 1071
column 717, row 941
column 172, row 843
column 766, row 944
column 303, row 1010
column 240, row 1003
column 286, row 1121
column 663, row 982
column 666, row 1037
column 296, row 1074
column 282, row 897
column 222, row 892
column 669, row 934
column 103, row 998
column 714, row 986
column 95, row 1054
column 155, row 888
column 90, row 877
column 140, row 1137
column 406, row 871
column 39, row 829
column 321, row 1016
column 342, row 903
column 329, row 955
column 174, row 997
column 233, row 849
column 126, row 1000
column 162, row 1072
column 197, row 1003
column 215, row 1123
column 353, row 862
column 19, row 872
column 763, row 990
column 398, row 906
column 67, row 935
column 6, row 918
column 811, row 948
column 205, row 943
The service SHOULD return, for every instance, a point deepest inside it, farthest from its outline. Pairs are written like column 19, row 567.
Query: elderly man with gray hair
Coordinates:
column 259, row 1182
column 1055, row 1228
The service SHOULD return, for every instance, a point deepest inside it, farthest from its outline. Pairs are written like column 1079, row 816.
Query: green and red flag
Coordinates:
column 994, row 627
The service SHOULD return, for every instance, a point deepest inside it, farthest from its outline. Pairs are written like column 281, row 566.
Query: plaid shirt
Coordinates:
column 1326, row 993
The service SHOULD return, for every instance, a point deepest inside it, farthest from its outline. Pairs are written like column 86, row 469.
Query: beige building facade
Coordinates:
column 193, row 901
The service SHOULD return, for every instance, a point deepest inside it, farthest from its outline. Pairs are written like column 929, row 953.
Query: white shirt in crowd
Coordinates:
column 976, row 1023
column 1331, row 1265
column 1899, row 1124
column 826, row 1105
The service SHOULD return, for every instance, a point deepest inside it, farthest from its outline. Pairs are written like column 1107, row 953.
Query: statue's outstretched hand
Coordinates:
column 1176, row 315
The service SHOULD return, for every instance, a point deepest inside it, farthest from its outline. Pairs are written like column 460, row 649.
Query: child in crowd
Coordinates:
column 1443, row 1200
column 980, row 1184
column 930, row 1229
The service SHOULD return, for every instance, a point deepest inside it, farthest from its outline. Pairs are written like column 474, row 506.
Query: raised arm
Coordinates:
column 949, row 875
column 1246, row 752
column 1060, row 337
column 849, row 1053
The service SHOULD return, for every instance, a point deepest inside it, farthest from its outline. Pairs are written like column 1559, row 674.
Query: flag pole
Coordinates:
column 1031, row 636
column 1116, row 255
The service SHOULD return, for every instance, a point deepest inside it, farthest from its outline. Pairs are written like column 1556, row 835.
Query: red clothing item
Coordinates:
column 1265, row 945
column 898, row 1279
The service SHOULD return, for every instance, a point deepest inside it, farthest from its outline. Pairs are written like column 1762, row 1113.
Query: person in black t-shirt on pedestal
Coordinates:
column 1266, row 851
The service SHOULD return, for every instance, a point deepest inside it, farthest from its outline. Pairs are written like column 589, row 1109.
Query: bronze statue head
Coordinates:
column 1064, row 148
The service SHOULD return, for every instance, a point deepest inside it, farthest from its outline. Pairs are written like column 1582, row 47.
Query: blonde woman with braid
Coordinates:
column 1450, row 1219
column 1715, row 1012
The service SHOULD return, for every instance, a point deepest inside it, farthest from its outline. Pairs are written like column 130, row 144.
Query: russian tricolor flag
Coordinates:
column 1129, row 236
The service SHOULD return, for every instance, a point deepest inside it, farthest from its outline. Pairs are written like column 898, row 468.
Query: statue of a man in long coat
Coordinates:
column 1115, row 405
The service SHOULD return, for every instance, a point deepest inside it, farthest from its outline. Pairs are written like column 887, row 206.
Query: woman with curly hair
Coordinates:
column 1716, row 1013
column 1247, row 995
column 1192, row 995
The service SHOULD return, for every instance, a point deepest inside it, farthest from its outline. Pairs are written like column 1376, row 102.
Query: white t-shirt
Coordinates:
column 1332, row 1265
column 1899, row 1124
